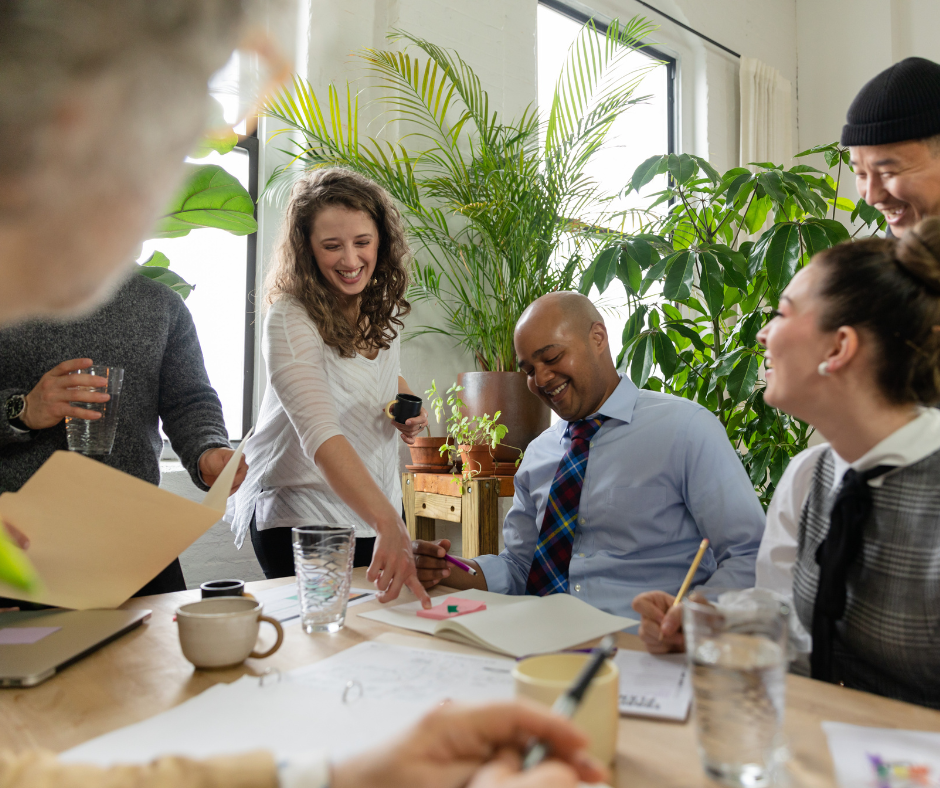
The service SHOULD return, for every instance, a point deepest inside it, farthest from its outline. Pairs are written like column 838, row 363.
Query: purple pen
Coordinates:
column 461, row 564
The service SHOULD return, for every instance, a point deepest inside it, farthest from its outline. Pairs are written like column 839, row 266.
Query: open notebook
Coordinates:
column 512, row 625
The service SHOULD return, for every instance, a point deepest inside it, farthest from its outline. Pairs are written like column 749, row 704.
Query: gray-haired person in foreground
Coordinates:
column 100, row 101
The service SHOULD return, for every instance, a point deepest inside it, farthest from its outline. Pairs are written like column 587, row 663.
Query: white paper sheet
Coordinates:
column 883, row 757
column 305, row 711
column 282, row 602
column 651, row 685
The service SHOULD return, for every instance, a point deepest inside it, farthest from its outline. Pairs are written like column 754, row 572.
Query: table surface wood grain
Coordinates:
column 144, row 673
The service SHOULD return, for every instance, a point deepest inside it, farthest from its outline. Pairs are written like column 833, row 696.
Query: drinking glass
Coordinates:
column 737, row 647
column 323, row 562
column 96, row 436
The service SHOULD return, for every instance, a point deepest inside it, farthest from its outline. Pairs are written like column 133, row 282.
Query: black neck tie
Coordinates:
column 835, row 555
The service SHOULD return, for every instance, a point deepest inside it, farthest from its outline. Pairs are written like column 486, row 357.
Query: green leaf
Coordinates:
column 757, row 255
column 606, row 270
column 868, row 213
column 689, row 333
column 835, row 230
column 587, row 278
column 678, row 285
column 710, row 172
column 165, row 276
column 629, row 272
column 648, row 170
column 831, row 157
column 757, row 214
column 758, row 469
column 844, row 204
column 682, row 167
column 815, row 239
column 666, row 355
column 727, row 361
column 753, row 323
column 157, row 260
column 772, row 184
column 712, row 283
column 643, row 252
column 642, row 361
column 653, row 274
column 783, row 254
column 778, row 466
column 832, row 146
column 211, row 197
column 634, row 325
column 735, row 265
column 736, row 185
column 743, row 377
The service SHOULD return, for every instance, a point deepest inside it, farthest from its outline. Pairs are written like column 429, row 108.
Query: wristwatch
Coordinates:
column 16, row 407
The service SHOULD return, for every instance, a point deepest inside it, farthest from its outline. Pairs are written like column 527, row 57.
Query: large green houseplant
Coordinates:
column 499, row 211
column 698, row 292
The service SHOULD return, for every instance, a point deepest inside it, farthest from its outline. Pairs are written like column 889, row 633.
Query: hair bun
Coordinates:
column 918, row 253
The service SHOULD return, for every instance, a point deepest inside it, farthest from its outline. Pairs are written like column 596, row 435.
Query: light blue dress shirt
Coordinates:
column 661, row 475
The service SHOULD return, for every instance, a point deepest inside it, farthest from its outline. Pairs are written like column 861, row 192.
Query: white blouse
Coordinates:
column 313, row 395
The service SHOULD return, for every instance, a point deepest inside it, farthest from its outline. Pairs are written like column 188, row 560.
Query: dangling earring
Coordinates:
column 823, row 369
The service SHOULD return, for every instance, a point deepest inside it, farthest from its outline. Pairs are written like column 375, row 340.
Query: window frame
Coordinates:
column 251, row 144
column 652, row 52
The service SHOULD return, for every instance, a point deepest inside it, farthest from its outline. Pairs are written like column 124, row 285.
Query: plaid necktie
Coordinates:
column 549, row 572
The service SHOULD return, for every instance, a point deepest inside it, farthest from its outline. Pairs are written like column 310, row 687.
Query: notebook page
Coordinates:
column 406, row 615
column 536, row 625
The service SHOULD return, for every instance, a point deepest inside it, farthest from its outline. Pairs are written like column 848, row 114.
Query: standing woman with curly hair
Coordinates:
column 323, row 449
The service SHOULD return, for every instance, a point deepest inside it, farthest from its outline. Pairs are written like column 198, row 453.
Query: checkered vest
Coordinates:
column 888, row 642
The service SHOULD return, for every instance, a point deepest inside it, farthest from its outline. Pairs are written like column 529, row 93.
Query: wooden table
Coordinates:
column 144, row 673
column 427, row 497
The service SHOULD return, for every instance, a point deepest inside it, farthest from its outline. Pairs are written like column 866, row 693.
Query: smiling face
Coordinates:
column 566, row 357
column 796, row 346
column 902, row 180
column 345, row 245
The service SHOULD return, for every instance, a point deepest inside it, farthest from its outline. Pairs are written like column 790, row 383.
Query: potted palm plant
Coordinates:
column 500, row 212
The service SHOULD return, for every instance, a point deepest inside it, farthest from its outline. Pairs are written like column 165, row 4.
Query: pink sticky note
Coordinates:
column 464, row 606
column 21, row 636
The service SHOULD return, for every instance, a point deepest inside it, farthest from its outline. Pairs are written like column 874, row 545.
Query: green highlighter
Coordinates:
column 15, row 568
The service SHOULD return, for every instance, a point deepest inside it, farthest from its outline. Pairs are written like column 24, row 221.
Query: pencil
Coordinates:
column 461, row 564
column 692, row 570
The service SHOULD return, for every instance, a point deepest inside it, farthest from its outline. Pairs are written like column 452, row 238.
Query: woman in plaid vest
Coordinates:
column 853, row 531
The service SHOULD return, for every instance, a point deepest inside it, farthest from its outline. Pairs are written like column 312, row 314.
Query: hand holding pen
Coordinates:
column 435, row 565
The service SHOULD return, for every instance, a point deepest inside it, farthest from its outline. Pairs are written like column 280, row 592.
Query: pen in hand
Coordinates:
column 568, row 702
column 461, row 564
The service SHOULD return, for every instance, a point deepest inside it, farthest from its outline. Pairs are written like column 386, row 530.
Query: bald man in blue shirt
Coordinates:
column 629, row 500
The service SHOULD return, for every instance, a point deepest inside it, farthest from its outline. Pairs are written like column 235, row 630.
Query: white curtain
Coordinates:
column 766, row 120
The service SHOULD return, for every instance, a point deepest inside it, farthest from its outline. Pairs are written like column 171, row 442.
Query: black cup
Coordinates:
column 405, row 407
column 222, row 588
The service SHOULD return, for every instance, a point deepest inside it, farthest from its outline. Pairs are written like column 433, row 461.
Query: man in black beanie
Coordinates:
column 893, row 131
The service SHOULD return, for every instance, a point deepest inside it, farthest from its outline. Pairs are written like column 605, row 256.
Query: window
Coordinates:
column 221, row 267
column 644, row 130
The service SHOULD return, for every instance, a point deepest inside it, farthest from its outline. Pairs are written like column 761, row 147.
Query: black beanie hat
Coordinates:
column 901, row 103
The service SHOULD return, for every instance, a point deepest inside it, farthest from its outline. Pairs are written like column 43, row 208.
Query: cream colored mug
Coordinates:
column 543, row 678
column 222, row 631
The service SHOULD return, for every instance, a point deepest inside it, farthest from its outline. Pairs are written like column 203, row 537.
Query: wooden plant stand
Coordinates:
column 430, row 496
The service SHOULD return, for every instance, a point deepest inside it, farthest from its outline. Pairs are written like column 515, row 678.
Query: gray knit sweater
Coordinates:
column 146, row 329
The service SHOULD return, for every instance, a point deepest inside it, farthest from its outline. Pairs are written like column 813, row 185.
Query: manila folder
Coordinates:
column 98, row 535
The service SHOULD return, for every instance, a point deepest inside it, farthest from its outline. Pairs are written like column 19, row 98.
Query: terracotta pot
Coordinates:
column 427, row 451
column 478, row 460
column 523, row 413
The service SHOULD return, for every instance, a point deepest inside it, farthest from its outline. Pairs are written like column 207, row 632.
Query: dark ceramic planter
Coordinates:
column 523, row 413
column 478, row 460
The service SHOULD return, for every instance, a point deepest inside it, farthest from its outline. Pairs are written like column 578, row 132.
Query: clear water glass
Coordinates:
column 323, row 563
column 736, row 642
column 96, row 436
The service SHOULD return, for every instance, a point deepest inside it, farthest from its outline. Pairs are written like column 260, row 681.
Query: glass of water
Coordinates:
column 96, row 436
column 323, row 562
column 736, row 642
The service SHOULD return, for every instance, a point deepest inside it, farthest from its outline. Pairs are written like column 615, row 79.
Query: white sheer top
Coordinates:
column 313, row 395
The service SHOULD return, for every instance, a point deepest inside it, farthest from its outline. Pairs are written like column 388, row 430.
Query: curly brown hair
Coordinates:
column 382, row 304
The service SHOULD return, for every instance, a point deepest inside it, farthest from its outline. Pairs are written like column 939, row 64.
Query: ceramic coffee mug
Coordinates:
column 543, row 678
column 222, row 631
column 404, row 407
column 214, row 588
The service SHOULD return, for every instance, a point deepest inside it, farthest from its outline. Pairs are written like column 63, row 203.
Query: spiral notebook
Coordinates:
column 512, row 625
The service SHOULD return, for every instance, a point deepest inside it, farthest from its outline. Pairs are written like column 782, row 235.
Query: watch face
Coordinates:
column 15, row 406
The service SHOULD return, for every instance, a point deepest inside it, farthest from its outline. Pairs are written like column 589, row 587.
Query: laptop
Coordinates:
column 36, row 644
